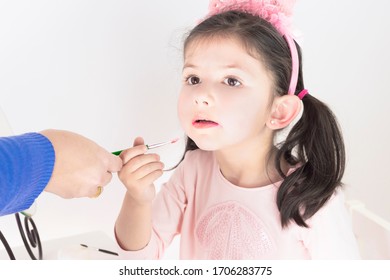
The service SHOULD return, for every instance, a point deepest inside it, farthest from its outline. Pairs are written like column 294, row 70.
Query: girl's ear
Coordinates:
column 284, row 110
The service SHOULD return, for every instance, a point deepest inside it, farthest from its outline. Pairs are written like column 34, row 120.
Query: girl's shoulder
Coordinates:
column 334, row 208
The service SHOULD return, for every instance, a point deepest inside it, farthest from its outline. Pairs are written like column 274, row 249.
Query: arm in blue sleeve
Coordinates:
column 26, row 165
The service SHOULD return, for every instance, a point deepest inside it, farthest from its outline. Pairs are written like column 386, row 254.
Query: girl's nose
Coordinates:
column 203, row 97
column 201, row 101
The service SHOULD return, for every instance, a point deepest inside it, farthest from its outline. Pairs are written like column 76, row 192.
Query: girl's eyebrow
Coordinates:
column 229, row 66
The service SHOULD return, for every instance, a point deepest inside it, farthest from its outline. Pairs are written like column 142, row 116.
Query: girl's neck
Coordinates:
column 251, row 167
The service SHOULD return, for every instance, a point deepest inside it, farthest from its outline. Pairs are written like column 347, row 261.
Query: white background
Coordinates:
column 110, row 70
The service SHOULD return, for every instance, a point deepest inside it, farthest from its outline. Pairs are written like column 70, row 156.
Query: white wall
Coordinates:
column 347, row 65
column 110, row 71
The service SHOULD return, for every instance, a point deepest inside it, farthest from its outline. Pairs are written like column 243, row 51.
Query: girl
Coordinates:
column 236, row 194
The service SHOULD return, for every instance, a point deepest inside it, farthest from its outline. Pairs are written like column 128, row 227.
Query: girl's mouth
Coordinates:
column 202, row 123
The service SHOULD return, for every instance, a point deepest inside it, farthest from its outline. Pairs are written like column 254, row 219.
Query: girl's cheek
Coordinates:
column 182, row 107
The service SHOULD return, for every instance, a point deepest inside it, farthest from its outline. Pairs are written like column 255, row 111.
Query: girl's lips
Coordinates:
column 204, row 124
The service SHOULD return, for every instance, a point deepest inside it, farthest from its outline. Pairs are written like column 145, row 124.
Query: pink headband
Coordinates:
column 278, row 13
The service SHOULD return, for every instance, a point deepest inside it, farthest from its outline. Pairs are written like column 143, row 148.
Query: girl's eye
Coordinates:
column 193, row 80
column 232, row 82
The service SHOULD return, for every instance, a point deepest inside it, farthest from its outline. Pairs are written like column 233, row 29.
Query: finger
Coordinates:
column 132, row 178
column 147, row 169
column 97, row 188
column 115, row 163
column 141, row 160
column 138, row 141
column 106, row 179
column 130, row 153
column 97, row 191
column 151, row 177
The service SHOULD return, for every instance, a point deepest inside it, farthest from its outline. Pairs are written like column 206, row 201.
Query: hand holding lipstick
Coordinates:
column 139, row 171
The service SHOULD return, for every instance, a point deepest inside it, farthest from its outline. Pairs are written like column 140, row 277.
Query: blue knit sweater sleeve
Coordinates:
column 26, row 165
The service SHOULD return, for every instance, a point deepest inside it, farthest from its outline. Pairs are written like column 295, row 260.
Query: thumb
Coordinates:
column 138, row 141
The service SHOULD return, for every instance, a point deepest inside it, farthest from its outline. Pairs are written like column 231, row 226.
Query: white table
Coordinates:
column 69, row 248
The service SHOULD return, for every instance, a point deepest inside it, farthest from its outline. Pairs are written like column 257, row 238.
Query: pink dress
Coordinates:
column 218, row 220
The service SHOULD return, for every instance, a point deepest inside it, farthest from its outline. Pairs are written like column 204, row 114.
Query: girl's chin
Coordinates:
column 206, row 145
column 207, row 149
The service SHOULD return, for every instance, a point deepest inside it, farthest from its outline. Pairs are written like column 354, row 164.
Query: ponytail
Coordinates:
column 315, row 146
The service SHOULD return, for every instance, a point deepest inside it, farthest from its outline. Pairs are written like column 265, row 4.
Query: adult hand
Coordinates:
column 81, row 166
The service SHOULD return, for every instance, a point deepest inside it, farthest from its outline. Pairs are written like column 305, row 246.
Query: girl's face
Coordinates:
column 225, row 96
